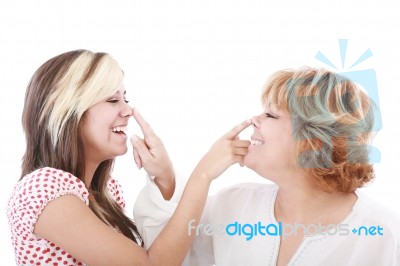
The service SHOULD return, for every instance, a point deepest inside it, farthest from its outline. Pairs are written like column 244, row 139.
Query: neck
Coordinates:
column 299, row 202
column 89, row 173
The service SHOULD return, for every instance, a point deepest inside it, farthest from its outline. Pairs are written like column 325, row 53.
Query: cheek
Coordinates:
column 95, row 132
column 278, row 146
column 101, row 124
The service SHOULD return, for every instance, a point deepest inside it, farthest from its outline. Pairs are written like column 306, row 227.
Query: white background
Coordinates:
column 195, row 69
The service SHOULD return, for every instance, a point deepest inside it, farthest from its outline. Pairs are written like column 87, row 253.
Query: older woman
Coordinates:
column 311, row 140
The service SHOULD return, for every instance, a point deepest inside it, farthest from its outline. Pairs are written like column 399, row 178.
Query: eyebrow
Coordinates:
column 276, row 111
column 118, row 92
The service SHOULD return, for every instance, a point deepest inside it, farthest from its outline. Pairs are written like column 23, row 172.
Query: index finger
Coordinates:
column 234, row 132
column 146, row 128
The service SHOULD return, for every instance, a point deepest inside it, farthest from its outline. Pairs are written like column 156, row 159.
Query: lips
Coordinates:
column 255, row 141
column 120, row 129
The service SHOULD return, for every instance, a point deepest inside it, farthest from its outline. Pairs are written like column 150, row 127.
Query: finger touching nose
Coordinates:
column 255, row 120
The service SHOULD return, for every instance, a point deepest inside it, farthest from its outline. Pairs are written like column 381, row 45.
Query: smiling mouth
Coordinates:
column 257, row 142
column 120, row 130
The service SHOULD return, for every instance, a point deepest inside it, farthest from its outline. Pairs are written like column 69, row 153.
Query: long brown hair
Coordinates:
column 56, row 99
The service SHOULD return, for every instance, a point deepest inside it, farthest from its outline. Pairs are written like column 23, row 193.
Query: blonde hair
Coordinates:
column 73, row 93
column 332, row 120
column 57, row 97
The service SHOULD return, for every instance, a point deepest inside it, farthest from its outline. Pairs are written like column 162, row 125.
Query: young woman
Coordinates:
column 67, row 209
column 311, row 140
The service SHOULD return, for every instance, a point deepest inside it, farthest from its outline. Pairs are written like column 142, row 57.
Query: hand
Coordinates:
column 227, row 151
column 150, row 152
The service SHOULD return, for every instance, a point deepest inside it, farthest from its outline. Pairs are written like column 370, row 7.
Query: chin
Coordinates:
column 119, row 152
column 248, row 162
column 122, row 152
column 252, row 163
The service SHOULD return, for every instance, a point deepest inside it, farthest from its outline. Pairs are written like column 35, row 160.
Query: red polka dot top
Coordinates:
column 29, row 197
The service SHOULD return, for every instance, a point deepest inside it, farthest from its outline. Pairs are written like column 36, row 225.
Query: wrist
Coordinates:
column 166, row 177
column 166, row 184
column 202, row 175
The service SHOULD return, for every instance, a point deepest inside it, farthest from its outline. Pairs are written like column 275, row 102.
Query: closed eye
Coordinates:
column 115, row 101
column 270, row 116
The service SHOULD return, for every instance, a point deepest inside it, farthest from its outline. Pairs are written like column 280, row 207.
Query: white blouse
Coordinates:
column 238, row 227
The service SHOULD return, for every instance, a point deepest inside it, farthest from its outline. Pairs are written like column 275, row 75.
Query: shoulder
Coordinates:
column 115, row 191
column 374, row 213
column 31, row 195
column 52, row 182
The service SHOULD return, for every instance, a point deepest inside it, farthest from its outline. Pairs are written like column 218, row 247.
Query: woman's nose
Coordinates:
column 256, row 121
column 127, row 110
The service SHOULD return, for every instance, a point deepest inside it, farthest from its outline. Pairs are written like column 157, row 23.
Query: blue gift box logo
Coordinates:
column 367, row 80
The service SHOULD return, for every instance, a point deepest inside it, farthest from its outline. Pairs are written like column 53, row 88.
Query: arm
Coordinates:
column 201, row 252
column 152, row 212
column 69, row 223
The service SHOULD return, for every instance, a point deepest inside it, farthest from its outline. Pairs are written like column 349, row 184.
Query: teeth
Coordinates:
column 119, row 129
column 256, row 142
